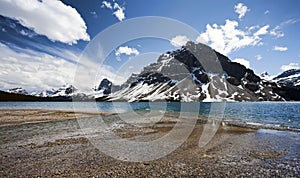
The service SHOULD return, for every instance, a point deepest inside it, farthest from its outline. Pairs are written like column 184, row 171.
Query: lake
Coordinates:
column 271, row 114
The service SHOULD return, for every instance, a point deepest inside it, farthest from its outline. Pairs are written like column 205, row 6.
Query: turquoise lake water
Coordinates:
column 274, row 114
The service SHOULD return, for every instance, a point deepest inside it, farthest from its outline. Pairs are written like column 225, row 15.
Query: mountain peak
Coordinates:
column 195, row 72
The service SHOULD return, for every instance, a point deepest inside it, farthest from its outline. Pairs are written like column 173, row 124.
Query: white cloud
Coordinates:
column 36, row 71
column 33, row 70
column 266, row 12
column 262, row 31
column 242, row 61
column 289, row 22
column 53, row 19
column 106, row 4
column 119, row 12
column 258, row 57
column 252, row 28
column 277, row 31
column 290, row 66
column 228, row 38
column 117, row 9
column 241, row 10
column 127, row 51
column 179, row 40
column 280, row 48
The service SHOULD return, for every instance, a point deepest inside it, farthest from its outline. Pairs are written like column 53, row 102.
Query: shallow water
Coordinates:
column 270, row 114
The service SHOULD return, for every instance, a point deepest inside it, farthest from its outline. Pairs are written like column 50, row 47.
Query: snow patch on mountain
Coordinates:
column 17, row 90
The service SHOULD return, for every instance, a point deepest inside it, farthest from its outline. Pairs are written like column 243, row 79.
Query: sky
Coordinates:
column 42, row 42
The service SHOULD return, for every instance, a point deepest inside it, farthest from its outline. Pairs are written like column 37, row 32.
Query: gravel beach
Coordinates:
column 44, row 143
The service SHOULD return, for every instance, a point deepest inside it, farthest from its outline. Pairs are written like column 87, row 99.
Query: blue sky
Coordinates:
column 41, row 41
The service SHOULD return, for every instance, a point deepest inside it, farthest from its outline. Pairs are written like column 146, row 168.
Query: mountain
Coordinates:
column 104, row 89
column 289, row 78
column 64, row 93
column 65, row 90
column 288, row 84
column 45, row 93
column 195, row 73
column 18, row 90
column 6, row 96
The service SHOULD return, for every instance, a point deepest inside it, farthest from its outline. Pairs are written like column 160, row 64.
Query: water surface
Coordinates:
column 275, row 114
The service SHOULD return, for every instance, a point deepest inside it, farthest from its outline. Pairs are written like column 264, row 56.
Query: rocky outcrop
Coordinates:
column 288, row 84
column 105, row 86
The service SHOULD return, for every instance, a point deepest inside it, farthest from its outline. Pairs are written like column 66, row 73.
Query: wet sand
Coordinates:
column 23, row 116
column 50, row 143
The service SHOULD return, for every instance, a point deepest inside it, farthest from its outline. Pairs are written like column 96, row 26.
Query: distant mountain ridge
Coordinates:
column 64, row 93
column 193, row 73
column 65, row 90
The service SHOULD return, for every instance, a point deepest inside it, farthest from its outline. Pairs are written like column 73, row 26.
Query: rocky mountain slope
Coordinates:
column 287, row 84
column 195, row 73
column 290, row 78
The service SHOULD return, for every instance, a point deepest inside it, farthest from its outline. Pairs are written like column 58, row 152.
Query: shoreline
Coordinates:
column 10, row 117
column 59, row 148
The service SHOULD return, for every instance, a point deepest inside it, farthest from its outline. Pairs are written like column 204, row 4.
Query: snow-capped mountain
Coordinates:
column 287, row 84
column 64, row 93
column 183, row 75
column 18, row 90
column 65, row 90
column 45, row 93
column 290, row 78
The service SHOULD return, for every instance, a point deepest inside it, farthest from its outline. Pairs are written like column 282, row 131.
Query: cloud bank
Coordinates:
column 228, row 38
column 55, row 20
column 34, row 70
